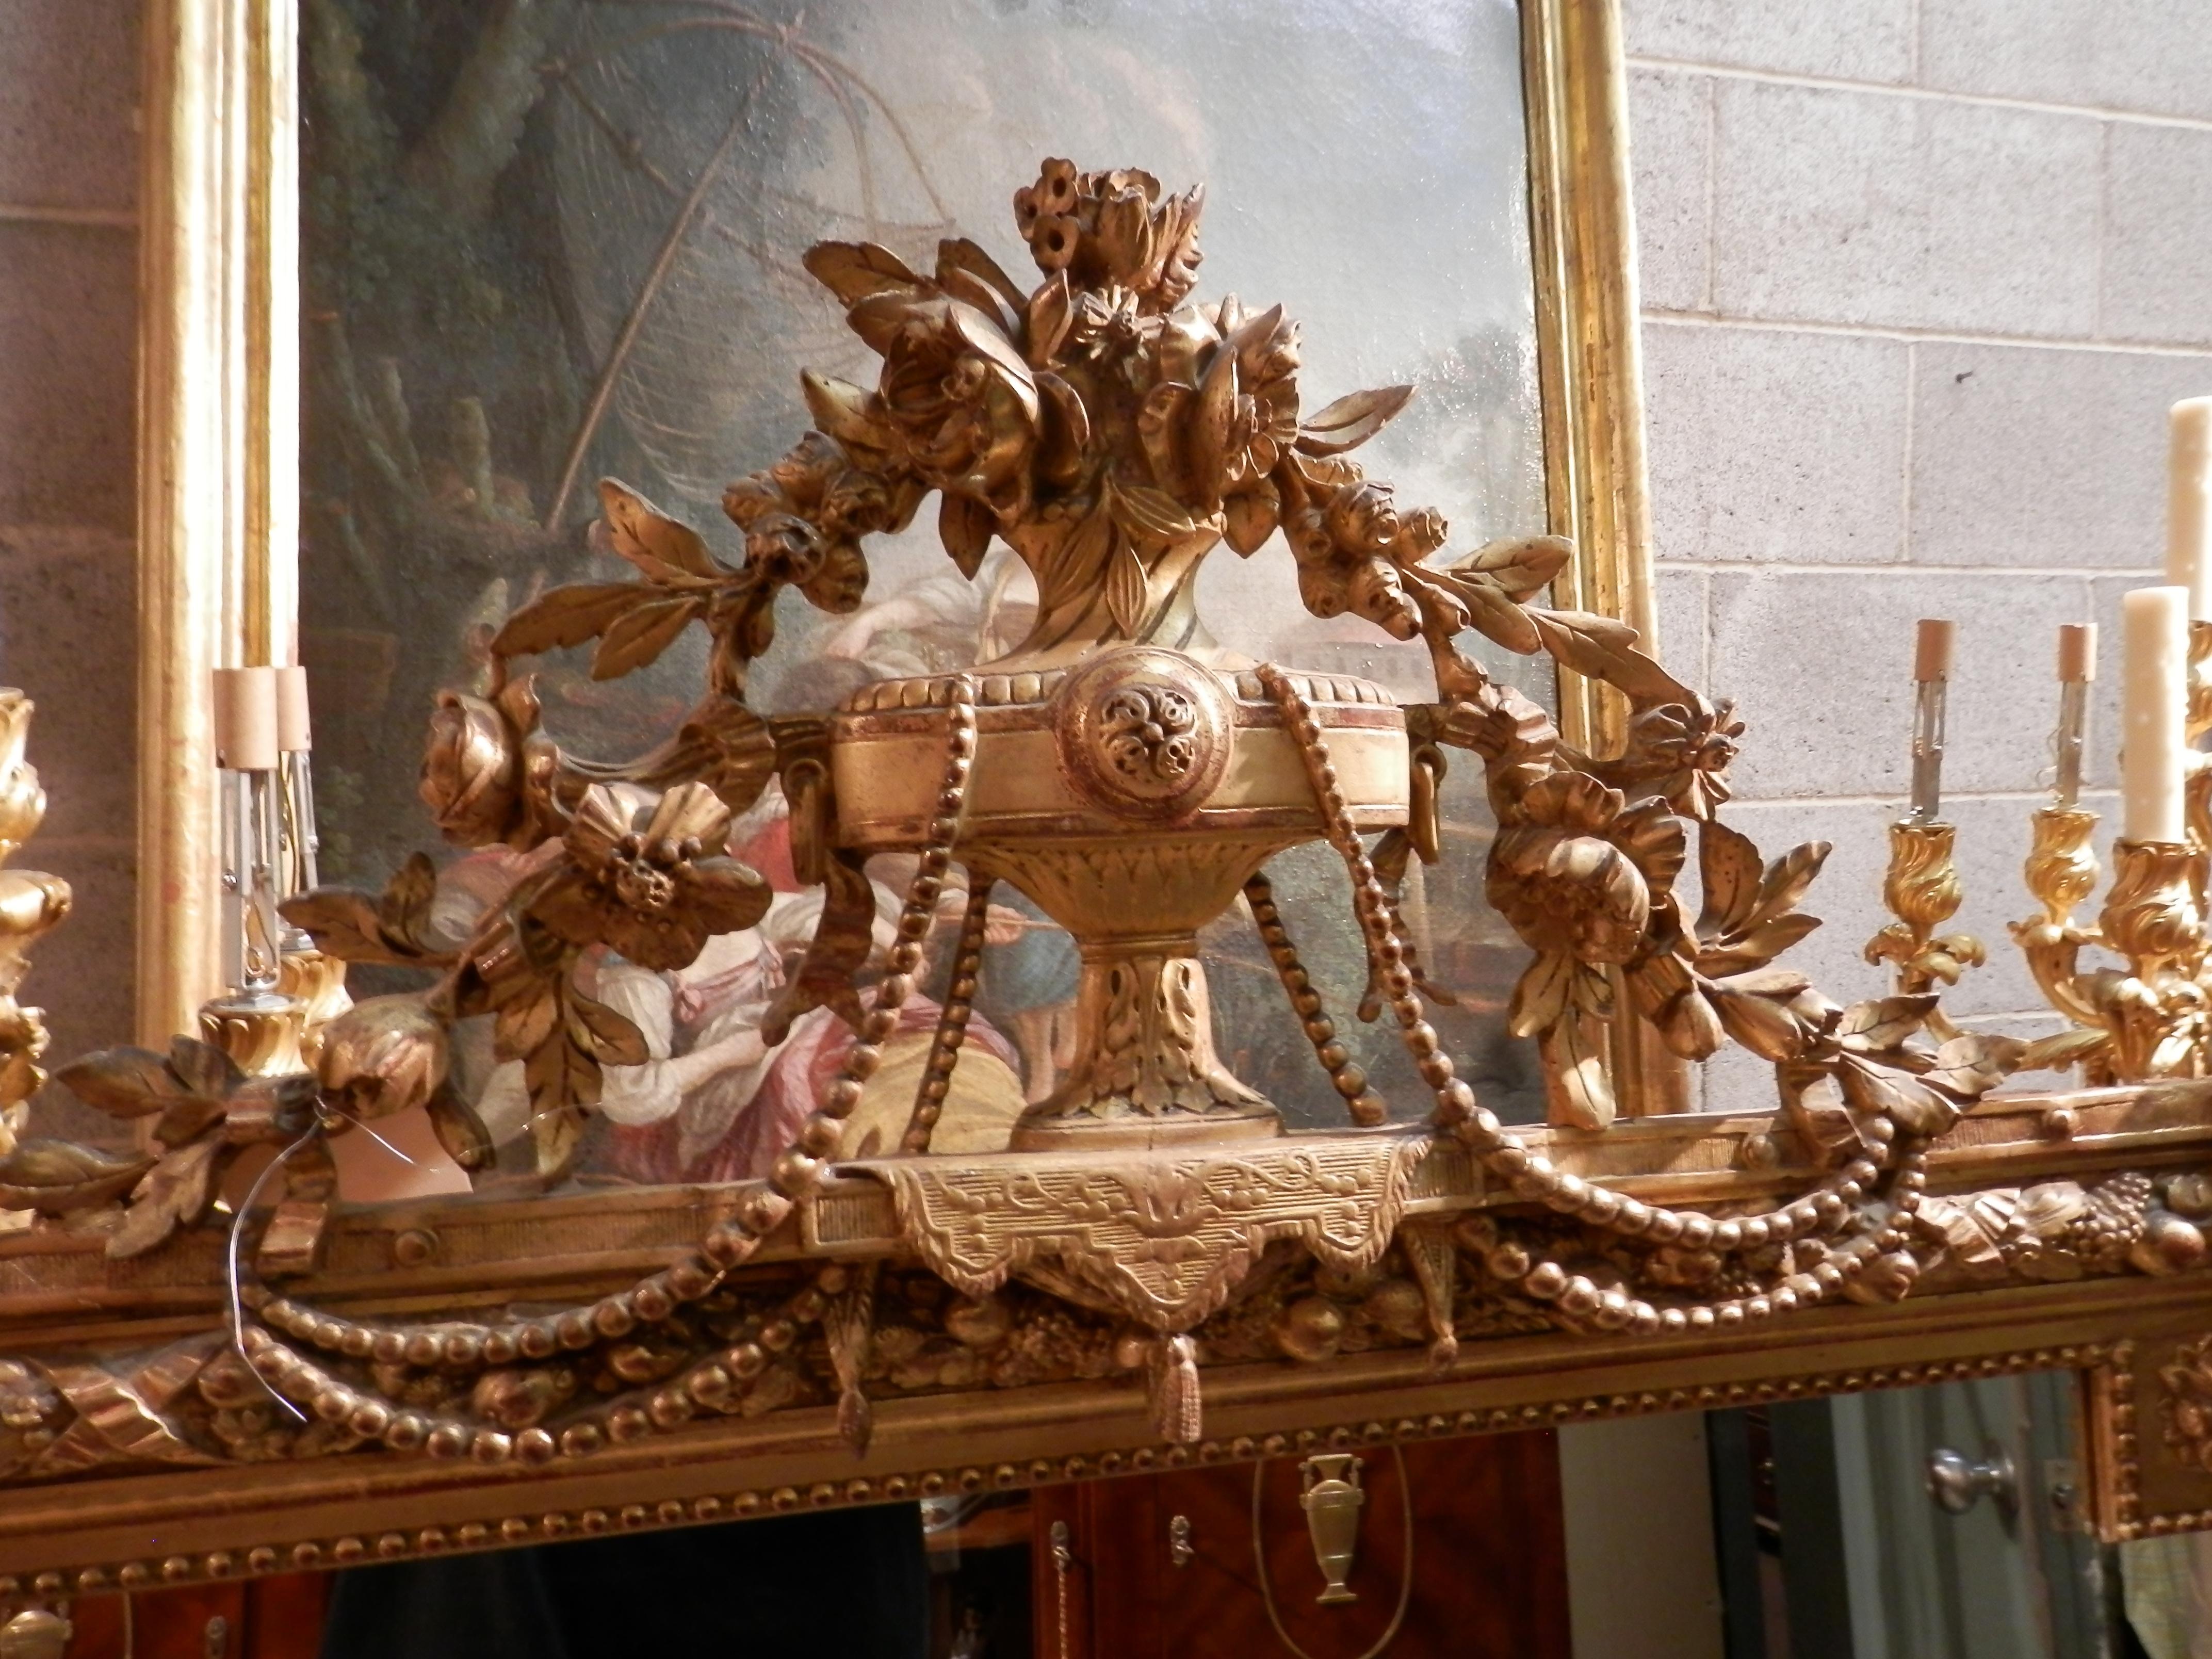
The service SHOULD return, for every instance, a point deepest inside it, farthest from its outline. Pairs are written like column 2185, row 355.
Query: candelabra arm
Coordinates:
column 1921, row 890
column 2154, row 1012
column 2061, row 872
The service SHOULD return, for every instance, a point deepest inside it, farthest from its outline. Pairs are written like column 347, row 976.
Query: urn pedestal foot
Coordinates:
column 1146, row 1073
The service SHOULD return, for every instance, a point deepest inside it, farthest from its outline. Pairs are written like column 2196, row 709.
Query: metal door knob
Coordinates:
column 1957, row 1483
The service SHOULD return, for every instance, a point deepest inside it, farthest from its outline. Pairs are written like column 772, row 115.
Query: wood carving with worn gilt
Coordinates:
column 1152, row 1233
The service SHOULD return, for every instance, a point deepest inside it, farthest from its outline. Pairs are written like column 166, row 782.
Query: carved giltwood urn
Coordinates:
column 1128, row 775
column 1131, row 796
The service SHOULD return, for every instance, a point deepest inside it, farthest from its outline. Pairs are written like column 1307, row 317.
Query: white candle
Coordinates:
column 2189, row 503
column 2153, row 748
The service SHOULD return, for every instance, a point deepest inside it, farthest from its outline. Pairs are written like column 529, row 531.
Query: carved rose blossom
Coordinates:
column 1685, row 750
column 961, row 400
column 1577, row 873
column 803, row 518
column 486, row 769
column 385, row 1055
column 650, row 883
column 471, row 774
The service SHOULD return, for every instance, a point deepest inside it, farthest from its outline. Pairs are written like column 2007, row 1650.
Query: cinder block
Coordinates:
column 1850, row 207
column 68, row 318
column 1670, row 150
column 69, row 637
column 1850, row 39
column 1773, row 445
column 69, row 97
column 81, row 974
column 2140, row 55
column 1821, row 665
column 2158, row 233
column 1682, row 597
column 2026, row 455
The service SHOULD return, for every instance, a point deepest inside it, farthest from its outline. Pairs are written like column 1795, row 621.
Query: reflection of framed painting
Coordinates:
column 536, row 254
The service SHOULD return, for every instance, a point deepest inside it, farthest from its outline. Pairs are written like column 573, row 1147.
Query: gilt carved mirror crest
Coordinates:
column 1013, row 1022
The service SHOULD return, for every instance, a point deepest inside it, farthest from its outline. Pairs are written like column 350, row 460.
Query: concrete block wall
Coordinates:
column 1920, row 278
column 69, row 252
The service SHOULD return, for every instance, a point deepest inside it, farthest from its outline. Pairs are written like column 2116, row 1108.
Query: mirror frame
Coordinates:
column 219, row 444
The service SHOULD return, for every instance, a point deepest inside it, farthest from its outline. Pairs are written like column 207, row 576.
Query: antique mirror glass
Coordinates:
column 537, row 254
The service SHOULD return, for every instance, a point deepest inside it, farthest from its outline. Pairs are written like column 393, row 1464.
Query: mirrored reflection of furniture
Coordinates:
column 1857, row 1526
column 280, row 1617
column 1459, row 1549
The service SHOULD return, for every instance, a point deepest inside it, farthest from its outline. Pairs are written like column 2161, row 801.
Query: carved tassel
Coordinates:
column 1435, row 1260
column 1178, row 1412
column 849, row 1325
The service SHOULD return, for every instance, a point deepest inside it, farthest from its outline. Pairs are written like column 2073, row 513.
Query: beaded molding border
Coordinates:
column 2111, row 1357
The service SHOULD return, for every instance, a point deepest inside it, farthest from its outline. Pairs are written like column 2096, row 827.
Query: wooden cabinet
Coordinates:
column 1460, row 1550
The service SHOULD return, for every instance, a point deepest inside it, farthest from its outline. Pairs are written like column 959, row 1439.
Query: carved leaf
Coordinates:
column 1970, row 1065
column 122, row 1082
column 1067, row 432
column 403, row 912
column 1350, row 421
column 1540, row 995
column 1498, row 616
column 847, row 412
column 556, row 1133
column 965, row 527
column 657, row 544
column 1768, row 940
column 203, row 1068
column 1884, row 1023
column 185, row 1118
column 1575, row 1074
column 1770, row 983
column 1149, row 515
column 347, row 925
column 1691, row 1028
column 1051, row 309
column 1326, row 472
column 1212, row 420
column 1606, row 650
column 972, row 290
column 174, row 1192
column 1882, row 1090
column 1252, row 515
column 1081, row 561
column 460, row 1131
column 58, row 1176
column 1729, row 865
column 641, row 634
column 1787, row 879
column 568, row 616
column 1126, row 589
column 1521, row 565
column 527, row 1020
column 608, row 1034
column 2062, row 1050
column 854, row 272
column 959, row 253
